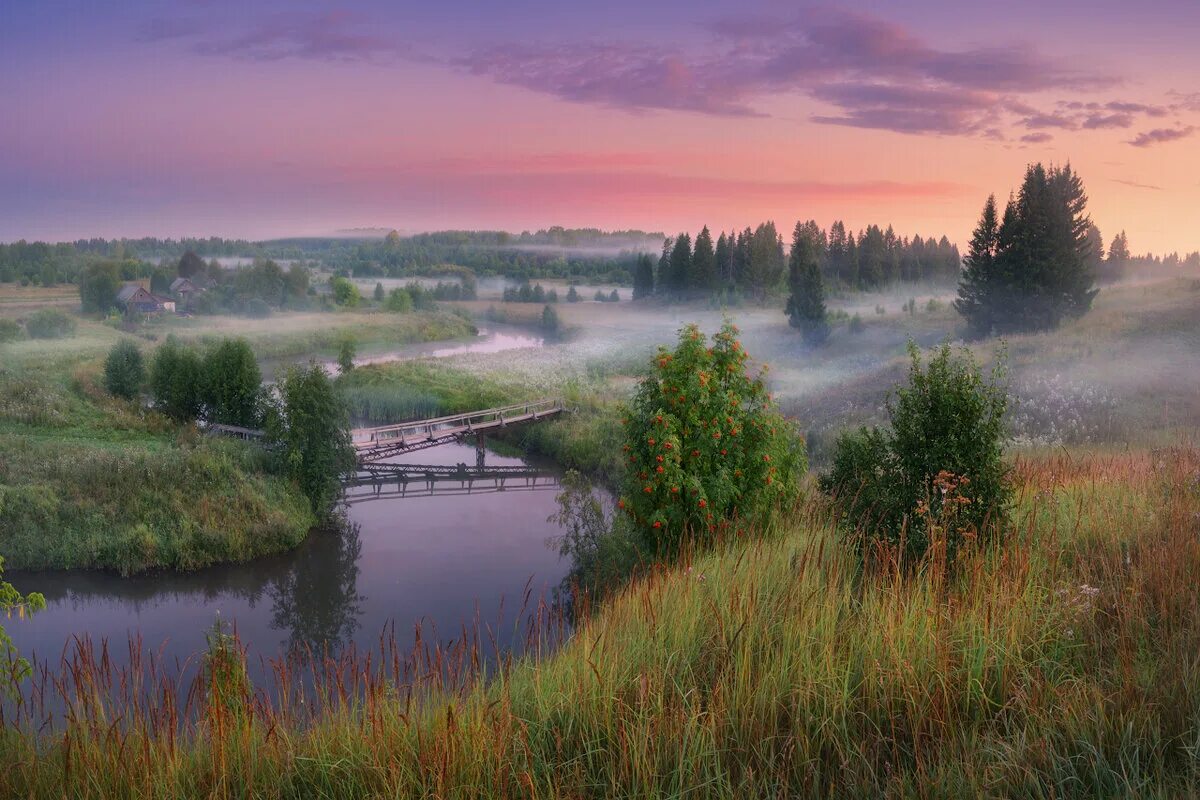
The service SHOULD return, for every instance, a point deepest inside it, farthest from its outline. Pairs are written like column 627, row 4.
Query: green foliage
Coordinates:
column 378, row 294
column 124, row 371
column 573, row 295
column 232, row 384
column 1035, row 267
column 603, row 549
column 49, row 323
column 312, row 427
column 936, row 476
column 345, row 293
column 98, row 286
column 190, row 265
column 806, row 304
column 177, row 380
column 399, row 301
column 346, row 353
column 10, row 330
column 550, row 322
column 856, row 324
column 643, row 280
column 13, row 602
column 705, row 445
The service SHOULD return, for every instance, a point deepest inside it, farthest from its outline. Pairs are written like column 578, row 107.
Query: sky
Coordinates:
column 311, row 117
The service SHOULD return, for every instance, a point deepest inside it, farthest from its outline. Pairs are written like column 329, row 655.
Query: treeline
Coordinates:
column 1121, row 264
column 255, row 289
column 752, row 261
column 304, row 416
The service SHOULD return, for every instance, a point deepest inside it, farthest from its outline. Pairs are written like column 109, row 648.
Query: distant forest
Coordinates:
column 750, row 260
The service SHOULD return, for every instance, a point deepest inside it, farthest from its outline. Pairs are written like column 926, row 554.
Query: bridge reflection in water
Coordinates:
column 379, row 481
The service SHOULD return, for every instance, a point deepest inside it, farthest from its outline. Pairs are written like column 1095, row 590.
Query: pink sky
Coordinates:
column 287, row 126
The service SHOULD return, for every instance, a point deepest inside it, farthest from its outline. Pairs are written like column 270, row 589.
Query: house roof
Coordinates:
column 129, row 291
column 182, row 283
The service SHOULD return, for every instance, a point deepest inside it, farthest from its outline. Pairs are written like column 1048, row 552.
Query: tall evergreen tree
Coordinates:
column 663, row 280
column 724, row 261
column 973, row 302
column 704, row 263
column 681, row 265
column 806, row 305
column 1041, row 270
column 837, row 251
column 643, row 277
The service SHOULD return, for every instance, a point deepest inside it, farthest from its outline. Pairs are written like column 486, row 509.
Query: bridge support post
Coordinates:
column 480, row 450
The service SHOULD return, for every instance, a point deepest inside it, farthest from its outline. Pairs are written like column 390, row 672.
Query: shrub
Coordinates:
column 345, row 293
column 124, row 371
column 10, row 330
column 573, row 295
column 176, row 380
column 49, row 323
column 312, row 428
column 98, row 286
column 856, row 324
column 936, row 475
column 705, row 445
column 346, row 353
column 232, row 384
column 399, row 301
column 550, row 323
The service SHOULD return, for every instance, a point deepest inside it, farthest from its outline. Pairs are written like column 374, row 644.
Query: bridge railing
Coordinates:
column 488, row 419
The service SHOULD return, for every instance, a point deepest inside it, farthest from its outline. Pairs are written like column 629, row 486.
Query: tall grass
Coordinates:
column 1060, row 662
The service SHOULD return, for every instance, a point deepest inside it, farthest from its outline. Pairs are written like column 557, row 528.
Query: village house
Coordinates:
column 135, row 298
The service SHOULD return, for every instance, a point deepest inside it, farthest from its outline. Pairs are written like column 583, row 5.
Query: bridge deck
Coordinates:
column 386, row 440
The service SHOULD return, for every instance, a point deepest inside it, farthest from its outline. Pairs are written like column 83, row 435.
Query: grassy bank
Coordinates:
column 1059, row 664
column 87, row 480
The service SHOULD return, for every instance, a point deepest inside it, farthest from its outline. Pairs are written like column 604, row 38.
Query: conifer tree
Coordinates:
column 643, row 277
column 973, row 302
column 681, row 265
column 806, row 305
column 703, row 276
column 723, row 259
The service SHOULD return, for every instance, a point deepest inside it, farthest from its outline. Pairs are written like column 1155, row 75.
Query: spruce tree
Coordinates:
column 681, row 265
column 723, row 259
column 973, row 301
column 1041, row 268
column 806, row 305
column 643, row 277
column 704, row 263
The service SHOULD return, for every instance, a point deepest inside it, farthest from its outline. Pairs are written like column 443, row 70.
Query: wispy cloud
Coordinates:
column 1161, row 136
column 1137, row 185
column 1037, row 138
column 329, row 36
column 879, row 74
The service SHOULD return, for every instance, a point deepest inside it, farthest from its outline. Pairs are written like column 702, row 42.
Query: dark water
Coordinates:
column 442, row 560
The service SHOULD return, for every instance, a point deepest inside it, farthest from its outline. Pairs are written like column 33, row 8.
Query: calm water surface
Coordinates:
column 437, row 560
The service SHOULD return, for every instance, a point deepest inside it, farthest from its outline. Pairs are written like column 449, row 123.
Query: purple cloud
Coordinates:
column 1038, row 121
column 876, row 72
column 1037, row 138
column 1161, row 136
column 1099, row 121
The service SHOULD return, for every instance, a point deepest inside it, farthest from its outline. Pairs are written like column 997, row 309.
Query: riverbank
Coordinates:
column 92, row 481
column 1056, row 664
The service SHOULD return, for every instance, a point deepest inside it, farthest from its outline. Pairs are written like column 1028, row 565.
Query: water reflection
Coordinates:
column 435, row 561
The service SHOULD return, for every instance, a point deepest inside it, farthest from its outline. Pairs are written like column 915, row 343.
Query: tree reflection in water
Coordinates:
column 317, row 600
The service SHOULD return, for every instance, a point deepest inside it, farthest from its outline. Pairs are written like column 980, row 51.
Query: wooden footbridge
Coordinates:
column 379, row 481
column 377, row 443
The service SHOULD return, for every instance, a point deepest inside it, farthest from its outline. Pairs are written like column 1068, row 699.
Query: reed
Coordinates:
column 1058, row 660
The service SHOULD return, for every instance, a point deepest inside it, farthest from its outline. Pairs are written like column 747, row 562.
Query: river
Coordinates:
column 443, row 561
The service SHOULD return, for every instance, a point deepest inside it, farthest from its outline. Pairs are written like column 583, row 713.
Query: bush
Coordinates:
column 573, row 295
column 10, row 330
column 49, row 323
column 177, row 380
column 346, row 353
column 936, row 476
column 399, row 301
column 124, row 371
column 232, row 384
column 856, row 324
column 345, row 293
column 705, row 445
column 550, row 323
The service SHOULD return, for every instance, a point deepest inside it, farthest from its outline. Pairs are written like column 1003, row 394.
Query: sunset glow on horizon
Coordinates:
column 208, row 117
